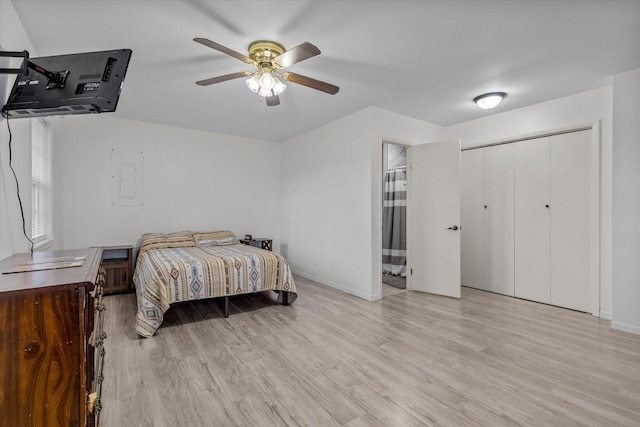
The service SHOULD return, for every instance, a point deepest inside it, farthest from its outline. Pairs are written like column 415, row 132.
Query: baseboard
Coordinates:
column 335, row 286
column 625, row 327
column 605, row 315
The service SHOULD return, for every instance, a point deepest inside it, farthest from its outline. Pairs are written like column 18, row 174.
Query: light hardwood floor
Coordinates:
column 332, row 359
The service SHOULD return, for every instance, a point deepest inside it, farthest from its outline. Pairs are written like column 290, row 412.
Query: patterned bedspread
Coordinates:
column 165, row 276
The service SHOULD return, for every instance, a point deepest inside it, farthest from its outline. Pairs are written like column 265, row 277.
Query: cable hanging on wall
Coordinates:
column 24, row 225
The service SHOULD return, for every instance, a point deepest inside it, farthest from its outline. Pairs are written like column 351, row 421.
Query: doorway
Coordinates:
column 432, row 209
column 394, row 218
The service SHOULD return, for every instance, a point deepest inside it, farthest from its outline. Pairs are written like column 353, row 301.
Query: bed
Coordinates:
column 186, row 266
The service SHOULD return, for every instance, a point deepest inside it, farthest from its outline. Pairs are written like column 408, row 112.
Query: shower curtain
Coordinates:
column 394, row 230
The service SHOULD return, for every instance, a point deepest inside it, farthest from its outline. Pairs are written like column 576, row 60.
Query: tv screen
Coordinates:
column 87, row 83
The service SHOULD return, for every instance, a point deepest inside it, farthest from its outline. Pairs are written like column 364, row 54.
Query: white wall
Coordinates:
column 13, row 38
column 583, row 108
column 192, row 181
column 626, row 202
column 331, row 197
column 326, row 203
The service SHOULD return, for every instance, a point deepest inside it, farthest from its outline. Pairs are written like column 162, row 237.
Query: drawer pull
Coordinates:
column 97, row 338
column 97, row 291
column 101, row 275
column 91, row 401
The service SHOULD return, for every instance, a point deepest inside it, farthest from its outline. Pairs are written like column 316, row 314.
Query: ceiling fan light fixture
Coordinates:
column 265, row 92
column 269, row 58
column 253, row 83
column 266, row 84
column 278, row 86
column 490, row 100
column 267, row 81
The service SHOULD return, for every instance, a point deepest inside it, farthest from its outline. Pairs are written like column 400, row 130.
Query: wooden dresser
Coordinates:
column 51, row 340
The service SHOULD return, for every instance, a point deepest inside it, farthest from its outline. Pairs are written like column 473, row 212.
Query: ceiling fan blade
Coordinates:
column 224, row 49
column 312, row 83
column 273, row 100
column 294, row 55
column 207, row 82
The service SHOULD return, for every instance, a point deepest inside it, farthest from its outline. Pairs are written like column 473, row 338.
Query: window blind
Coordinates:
column 40, row 180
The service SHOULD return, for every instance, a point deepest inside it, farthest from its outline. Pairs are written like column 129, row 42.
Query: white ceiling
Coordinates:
column 424, row 59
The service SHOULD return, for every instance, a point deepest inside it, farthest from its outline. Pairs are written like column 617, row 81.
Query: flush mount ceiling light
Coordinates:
column 490, row 100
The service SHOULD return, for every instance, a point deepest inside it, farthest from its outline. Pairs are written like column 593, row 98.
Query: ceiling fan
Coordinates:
column 270, row 59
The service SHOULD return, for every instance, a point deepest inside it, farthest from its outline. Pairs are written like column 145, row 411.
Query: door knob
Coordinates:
column 453, row 227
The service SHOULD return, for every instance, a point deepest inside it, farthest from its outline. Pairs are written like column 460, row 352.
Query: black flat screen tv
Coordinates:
column 92, row 83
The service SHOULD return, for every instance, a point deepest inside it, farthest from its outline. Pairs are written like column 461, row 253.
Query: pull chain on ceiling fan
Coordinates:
column 269, row 58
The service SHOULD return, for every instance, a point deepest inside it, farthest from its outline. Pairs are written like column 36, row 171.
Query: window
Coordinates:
column 41, row 136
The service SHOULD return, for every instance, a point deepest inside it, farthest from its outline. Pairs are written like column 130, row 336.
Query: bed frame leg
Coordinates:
column 285, row 298
column 226, row 306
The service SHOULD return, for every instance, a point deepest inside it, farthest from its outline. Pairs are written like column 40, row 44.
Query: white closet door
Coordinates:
column 499, row 219
column 571, row 220
column 532, row 220
column 472, row 219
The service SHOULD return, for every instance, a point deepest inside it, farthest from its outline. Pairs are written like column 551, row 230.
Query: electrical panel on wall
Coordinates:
column 127, row 180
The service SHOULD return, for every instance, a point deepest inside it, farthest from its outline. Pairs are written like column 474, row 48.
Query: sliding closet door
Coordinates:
column 572, row 217
column 539, row 236
column 499, row 218
column 472, row 219
column 532, row 252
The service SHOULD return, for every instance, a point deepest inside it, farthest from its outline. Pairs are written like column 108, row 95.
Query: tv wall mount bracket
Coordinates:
column 57, row 79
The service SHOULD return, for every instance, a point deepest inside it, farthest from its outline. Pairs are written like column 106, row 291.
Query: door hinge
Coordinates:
column 411, row 271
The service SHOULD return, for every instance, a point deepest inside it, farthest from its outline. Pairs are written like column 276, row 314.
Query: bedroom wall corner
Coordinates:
column 626, row 202
column 326, row 203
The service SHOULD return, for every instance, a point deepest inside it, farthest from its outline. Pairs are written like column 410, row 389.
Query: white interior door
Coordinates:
column 434, row 218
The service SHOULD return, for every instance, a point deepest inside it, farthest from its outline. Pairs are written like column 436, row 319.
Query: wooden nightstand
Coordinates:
column 118, row 265
column 260, row 242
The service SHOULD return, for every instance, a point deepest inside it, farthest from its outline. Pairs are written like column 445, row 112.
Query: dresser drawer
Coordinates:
column 115, row 264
